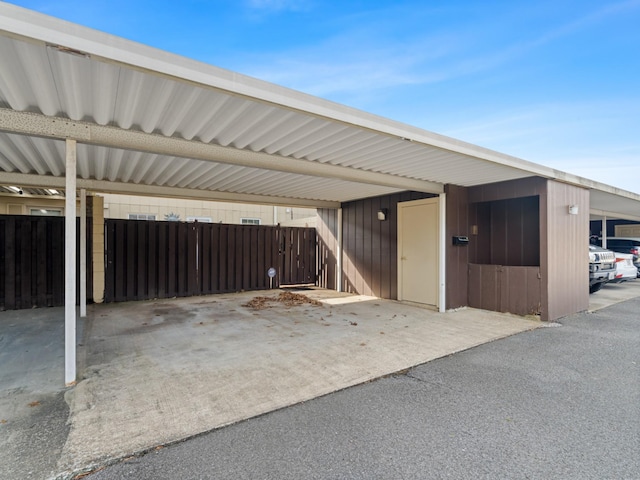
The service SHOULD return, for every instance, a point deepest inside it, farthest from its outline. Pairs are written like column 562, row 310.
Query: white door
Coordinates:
column 418, row 251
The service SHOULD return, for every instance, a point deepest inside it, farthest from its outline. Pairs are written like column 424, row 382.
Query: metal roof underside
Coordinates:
column 161, row 124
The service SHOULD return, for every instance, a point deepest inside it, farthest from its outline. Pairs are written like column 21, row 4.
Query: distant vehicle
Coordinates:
column 625, row 269
column 602, row 267
column 625, row 245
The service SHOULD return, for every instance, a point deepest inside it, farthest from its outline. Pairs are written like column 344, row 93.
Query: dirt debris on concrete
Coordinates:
column 288, row 299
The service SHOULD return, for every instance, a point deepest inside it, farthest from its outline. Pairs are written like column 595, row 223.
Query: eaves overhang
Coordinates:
column 157, row 120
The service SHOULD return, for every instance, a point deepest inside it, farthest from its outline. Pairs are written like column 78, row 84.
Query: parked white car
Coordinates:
column 625, row 269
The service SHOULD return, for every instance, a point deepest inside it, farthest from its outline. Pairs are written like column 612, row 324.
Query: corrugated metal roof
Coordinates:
column 56, row 69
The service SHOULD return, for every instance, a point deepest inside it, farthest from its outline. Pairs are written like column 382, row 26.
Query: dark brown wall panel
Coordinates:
column 508, row 271
column 32, row 261
column 369, row 245
column 327, row 227
column 526, row 187
column 458, row 223
column 516, row 290
column 480, row 242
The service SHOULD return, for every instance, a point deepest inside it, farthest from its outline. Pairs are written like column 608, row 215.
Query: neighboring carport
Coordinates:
column 80, row 109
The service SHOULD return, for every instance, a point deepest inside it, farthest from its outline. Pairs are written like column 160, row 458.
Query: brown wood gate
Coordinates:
column 150, row 259
column 32, row 261
column 501, row 288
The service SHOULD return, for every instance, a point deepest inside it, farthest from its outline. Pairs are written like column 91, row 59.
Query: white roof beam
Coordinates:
column 105, row 186
column 26, row 123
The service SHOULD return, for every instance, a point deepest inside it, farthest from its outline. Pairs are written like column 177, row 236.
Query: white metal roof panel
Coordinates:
column 58, row 69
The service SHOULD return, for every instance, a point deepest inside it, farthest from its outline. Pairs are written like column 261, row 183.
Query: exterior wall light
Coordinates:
column 382, row 214
column 573, row 209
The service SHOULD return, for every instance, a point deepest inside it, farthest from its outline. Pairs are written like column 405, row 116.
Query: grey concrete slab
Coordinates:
column 158, row 372
column 153, row 373
column 33, row 412
column 612, row 293
column 552, row 403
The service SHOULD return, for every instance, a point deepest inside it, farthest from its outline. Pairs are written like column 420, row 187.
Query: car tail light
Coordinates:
column 635, row 250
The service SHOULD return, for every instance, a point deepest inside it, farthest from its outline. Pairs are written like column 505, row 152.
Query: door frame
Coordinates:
column 440, row 200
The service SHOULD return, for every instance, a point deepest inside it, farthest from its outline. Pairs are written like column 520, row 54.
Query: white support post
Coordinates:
column 70, row 266
column 339, row 253
column 83, row 253
column 442, row 254
column 604, row 232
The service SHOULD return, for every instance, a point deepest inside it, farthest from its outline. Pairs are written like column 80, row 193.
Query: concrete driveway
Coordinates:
column 156, row 372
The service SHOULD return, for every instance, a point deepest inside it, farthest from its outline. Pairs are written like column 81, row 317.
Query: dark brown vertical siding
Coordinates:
column 298, row 264
column 148, row 259
column 161, row 259
column 57, row 262
column 370, row 264
column 507, row 270
column 7, row 262
column 170, row 258
column 129, row 243
column 516, row 290
column 457, row 257
column 509, row 230
column 360, row 265
column 215, row 253
column 499, row 237
column 515, row 221
column 480, row 243
column 526, row 187
column 32, row 261
column 239, row 249
column 23, row 270
column 387, row 254
column 264, row 258
column 327, row 227
column 41, row 264
column 531, row 250
column 285, row 249
column 274, row 243
column 253, row 266
column 224, row 254
column 142, row 242
column 151, row 258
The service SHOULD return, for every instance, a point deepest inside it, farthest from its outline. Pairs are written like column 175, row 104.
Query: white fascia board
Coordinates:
column 613, row 215
column 105, row 186
column 26, row 123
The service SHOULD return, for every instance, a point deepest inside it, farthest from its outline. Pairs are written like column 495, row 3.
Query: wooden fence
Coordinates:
column 148, row 259
column 32, row 261
column 500, row 288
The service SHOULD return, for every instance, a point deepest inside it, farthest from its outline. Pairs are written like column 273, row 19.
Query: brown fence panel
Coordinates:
column 235, row 257
column 505, row 288
column 298, row 252
column 147, row 259
column 32, row 261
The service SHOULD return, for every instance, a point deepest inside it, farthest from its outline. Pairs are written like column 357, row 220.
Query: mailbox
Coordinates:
column 460, row 240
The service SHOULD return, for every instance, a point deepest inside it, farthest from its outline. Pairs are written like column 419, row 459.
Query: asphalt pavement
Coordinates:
column 558, row 402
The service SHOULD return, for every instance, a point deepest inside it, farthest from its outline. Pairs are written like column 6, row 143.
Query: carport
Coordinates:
column 80, row 109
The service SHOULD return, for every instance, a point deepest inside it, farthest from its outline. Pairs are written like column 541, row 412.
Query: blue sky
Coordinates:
column 553, row 82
